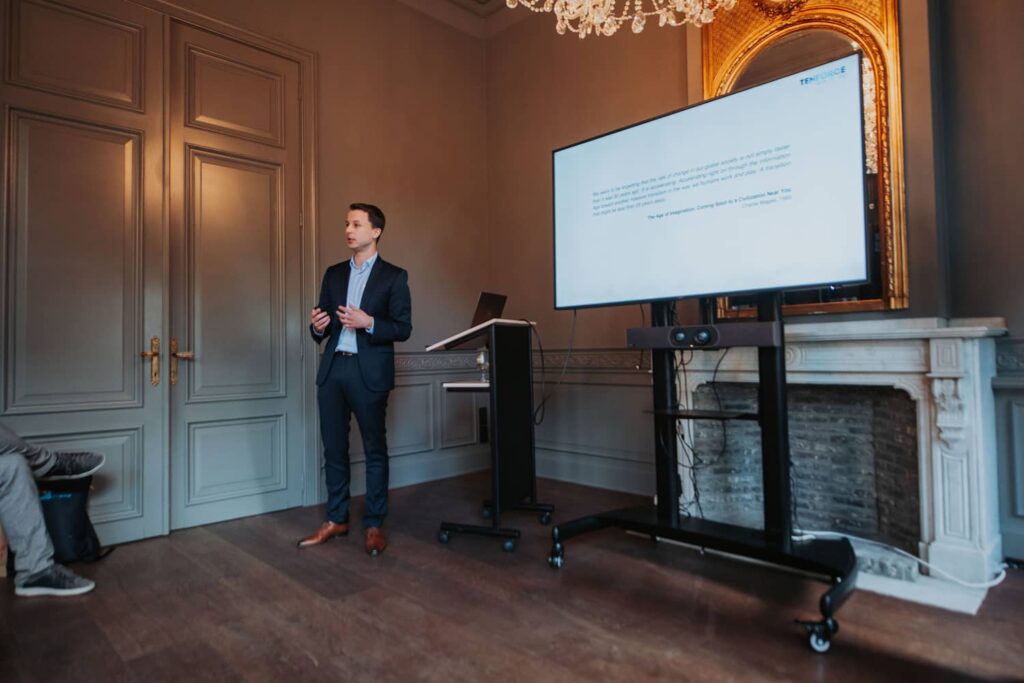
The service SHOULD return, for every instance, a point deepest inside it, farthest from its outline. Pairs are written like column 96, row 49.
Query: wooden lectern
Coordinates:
column 510, row 386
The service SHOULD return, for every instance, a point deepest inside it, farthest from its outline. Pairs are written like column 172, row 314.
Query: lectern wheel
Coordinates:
column 545, row 517
column 509, row 545
column 486, row 512
column 443, row 537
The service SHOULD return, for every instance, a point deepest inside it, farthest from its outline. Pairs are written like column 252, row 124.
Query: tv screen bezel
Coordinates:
column 745, row 292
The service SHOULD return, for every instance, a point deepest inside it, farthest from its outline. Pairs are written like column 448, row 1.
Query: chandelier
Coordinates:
column 603, row 17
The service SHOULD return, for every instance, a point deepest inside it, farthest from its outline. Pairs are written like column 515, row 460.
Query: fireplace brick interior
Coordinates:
column 853, row 453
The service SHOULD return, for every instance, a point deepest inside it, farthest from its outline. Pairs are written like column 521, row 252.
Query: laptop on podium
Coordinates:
column 488, row 307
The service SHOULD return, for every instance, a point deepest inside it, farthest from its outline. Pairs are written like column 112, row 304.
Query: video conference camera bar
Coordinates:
column 760, row 334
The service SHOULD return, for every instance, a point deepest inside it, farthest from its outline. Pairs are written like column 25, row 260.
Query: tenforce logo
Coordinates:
column 824, row 76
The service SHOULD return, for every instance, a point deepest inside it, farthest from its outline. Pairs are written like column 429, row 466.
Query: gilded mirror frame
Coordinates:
column 736, row 37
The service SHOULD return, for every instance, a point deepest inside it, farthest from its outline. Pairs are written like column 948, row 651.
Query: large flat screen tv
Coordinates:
column 758, row 190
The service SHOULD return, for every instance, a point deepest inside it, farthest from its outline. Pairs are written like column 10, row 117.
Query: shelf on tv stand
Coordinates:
column 706, row 414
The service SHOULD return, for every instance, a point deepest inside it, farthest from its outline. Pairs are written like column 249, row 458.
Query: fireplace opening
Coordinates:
column 853, row 453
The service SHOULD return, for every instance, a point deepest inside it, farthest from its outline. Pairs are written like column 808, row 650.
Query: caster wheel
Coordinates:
column 486, row 513
column 819, row 634
column 819, row 643
column 545, row 518
column 509, row 545
column 556, row 561
column 443, row 537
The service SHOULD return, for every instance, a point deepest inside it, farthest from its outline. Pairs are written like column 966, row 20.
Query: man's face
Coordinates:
column 359, row 234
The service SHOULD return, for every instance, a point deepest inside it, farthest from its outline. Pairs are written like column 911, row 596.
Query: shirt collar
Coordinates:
column 366, row 264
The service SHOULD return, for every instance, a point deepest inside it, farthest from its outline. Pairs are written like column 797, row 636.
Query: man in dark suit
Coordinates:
column 364, row 308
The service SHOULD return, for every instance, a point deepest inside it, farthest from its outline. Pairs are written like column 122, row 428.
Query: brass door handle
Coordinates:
column 177, row 355
column 154, row 360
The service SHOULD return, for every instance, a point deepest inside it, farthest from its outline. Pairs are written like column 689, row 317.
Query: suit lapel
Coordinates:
column 373, row 283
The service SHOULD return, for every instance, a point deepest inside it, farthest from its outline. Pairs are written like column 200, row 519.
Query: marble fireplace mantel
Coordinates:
column 946, row 367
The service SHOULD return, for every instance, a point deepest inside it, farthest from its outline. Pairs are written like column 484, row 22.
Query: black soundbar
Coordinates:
column 704, row 336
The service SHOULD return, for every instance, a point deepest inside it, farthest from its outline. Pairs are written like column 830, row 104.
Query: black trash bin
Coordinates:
column 66, row 510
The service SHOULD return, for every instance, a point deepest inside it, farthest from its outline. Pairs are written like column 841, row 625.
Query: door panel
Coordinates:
column 236, row 99
column 76, row 232
column 237, row 410
column 216, row 448
column 82, row 245
column 118, row 494
column 235, row 250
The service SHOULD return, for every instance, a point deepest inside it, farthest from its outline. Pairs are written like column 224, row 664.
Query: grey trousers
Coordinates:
column 21, row 516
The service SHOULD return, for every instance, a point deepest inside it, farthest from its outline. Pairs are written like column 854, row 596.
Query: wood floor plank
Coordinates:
column 238, row 601
column 201, row 661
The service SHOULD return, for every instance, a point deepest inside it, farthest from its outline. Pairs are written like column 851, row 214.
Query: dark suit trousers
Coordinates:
column 343, row 394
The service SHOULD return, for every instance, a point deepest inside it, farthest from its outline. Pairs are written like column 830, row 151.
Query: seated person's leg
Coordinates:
column 22, row 519
column 48, row 464
column 39, row 459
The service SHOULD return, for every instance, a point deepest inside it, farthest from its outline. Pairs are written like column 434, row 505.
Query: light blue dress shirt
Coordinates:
column 357, row 277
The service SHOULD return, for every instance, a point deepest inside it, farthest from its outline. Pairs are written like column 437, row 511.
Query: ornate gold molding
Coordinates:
column 778, row 8
column 734, row 39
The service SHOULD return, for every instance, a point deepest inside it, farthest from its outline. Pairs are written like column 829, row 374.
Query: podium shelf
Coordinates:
column 466, row 386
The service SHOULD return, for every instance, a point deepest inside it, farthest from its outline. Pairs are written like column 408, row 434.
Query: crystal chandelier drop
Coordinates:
column 603, row 17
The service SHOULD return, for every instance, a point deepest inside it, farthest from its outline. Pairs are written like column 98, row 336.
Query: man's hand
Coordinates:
column 319, row 319
column 354, row 318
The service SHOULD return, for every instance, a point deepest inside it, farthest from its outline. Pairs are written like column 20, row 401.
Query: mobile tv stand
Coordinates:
column 833, row 559
column 509, row 384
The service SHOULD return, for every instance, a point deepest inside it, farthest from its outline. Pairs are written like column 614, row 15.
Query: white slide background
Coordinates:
column 763, row 189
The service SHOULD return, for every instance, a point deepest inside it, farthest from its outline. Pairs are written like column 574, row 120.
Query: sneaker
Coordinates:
column 74, row 466
column 54, row 580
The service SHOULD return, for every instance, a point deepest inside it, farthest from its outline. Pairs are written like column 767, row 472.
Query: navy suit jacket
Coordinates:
column 386, row 298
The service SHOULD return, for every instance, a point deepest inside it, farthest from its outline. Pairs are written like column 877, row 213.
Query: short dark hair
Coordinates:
column 374, row 213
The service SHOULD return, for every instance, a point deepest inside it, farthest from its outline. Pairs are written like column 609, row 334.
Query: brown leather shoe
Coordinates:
column 326, row 532
column 375, row 541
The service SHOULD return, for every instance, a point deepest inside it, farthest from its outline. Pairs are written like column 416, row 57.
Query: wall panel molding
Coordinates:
column 459, row 423
column 410, row 422
column 443, row 361
column 1015, row 470
column 1010, row 356
column 595, row 430
column 71, row 52
column 1010, row 430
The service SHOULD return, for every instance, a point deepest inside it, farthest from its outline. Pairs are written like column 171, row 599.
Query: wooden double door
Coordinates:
column 152, row 304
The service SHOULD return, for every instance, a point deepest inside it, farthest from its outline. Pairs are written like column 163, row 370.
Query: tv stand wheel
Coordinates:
column 486, row 512
column 557, row 557
column 819, row 634
column 443, row 537
column 509, row 545
column 545, row 517
column 819, row 643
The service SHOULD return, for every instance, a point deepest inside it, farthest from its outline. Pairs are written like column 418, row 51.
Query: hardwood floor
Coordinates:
column 239, row 602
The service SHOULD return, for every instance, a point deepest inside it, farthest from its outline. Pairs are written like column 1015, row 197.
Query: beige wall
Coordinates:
column 452, row 135
column 546, row 91
column 402, row 125
column 984, row 107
